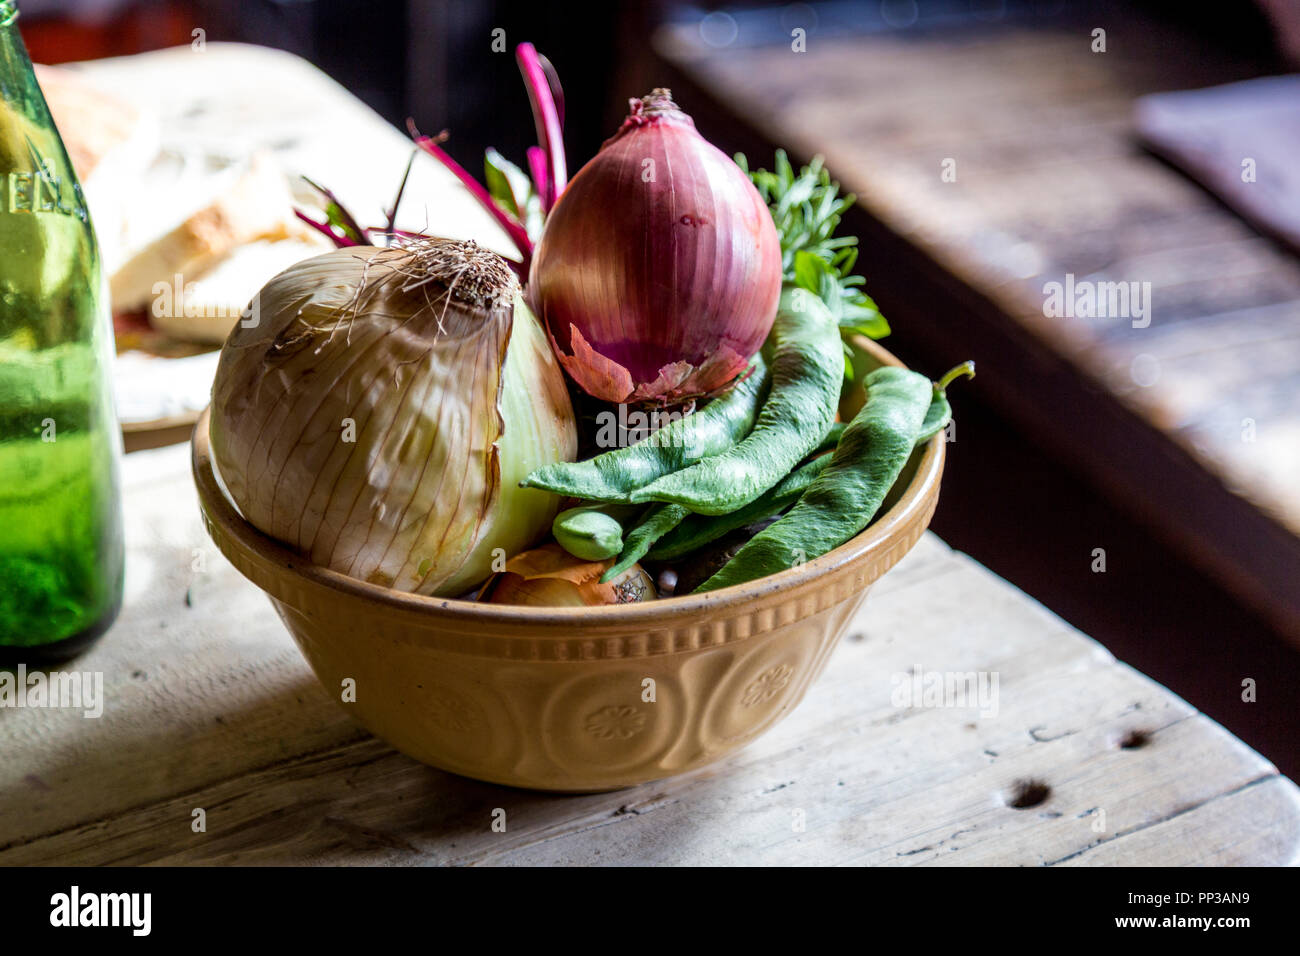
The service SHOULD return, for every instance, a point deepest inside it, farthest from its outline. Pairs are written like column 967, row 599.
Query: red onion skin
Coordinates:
column 659, row 269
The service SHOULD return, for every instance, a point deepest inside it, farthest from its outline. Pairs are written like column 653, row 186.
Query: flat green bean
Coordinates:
column 844, row 498
column 713, row 429
column 939, row 414
column 832, row 437
column 807, row 371
column 588, row 533
column 696, row 530
column 654, row 524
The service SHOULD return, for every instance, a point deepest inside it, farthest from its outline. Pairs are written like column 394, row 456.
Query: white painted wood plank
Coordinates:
column 195, row 692
column 1210, row 832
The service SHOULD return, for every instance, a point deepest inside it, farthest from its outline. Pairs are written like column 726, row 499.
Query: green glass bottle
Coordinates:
column 60, row 509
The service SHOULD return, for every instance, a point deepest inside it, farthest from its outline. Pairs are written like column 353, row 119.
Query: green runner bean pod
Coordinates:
column 939, row 414
column 588, row 533
column 654, row 524
column 807, row 371
column 698, row 530
column 844, row 498
column 612, row 476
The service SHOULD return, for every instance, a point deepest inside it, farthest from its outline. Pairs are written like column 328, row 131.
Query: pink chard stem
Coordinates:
column 541, row 179
column 324, row 228
column 512, row 226
column 550, row 132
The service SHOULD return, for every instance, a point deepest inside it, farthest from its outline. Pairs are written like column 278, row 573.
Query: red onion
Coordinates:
column 659, row 268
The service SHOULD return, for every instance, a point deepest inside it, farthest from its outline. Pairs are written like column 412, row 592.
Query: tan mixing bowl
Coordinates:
column 558, row 698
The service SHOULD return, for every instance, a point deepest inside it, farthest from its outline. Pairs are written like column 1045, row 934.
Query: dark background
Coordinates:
column 1011, row 505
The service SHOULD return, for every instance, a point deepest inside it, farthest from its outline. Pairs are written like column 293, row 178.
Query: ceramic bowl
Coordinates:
column 574, row 699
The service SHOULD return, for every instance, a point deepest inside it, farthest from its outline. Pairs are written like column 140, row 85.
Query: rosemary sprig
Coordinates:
column 807, row 209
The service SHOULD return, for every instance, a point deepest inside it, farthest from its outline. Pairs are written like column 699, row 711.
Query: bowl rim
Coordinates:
column 220, row 511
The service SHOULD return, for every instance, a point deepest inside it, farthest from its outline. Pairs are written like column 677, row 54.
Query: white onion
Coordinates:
column 379, row 413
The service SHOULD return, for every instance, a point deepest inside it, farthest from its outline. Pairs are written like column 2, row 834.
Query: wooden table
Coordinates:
column 1187, row 417
column 210, row 707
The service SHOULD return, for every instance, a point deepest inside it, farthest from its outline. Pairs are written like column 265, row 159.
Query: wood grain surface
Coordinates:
column 209, row 706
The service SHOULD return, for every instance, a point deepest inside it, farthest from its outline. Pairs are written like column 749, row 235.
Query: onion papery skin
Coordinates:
column 549, row 576
column 452, row 397
column 658, row 271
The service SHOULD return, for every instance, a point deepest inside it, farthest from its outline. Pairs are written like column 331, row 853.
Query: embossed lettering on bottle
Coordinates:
column 42, row 189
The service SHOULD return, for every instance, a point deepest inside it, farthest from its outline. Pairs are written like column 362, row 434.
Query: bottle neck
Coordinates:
column 13, row 53
column 20, row 94
column 30, row 147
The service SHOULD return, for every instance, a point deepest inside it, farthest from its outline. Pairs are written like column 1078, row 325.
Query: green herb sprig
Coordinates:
column 807, row 209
